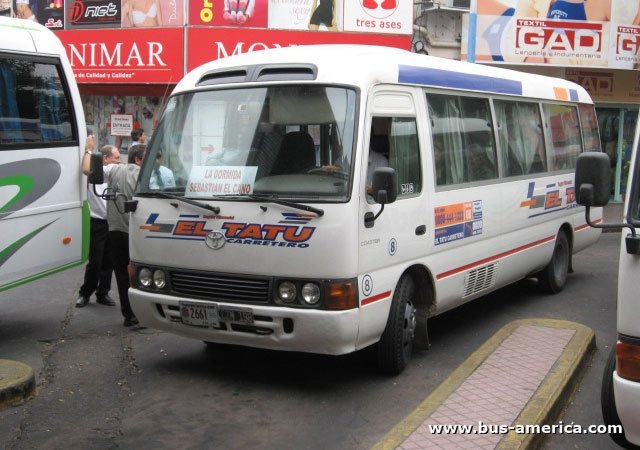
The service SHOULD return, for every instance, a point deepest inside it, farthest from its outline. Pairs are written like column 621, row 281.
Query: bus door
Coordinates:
column 400, row 232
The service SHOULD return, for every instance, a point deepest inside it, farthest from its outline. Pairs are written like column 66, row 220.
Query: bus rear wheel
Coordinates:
column 396, row 344
column 553, row 278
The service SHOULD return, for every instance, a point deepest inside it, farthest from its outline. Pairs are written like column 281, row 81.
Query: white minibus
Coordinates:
column 329, row 198
column 620, row 394
column 43, row 212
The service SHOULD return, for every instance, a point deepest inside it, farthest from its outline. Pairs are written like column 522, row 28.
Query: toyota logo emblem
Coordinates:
column 215, row 240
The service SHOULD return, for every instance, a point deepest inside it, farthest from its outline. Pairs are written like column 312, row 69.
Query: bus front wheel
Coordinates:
column 396, row 343
column 553, row 278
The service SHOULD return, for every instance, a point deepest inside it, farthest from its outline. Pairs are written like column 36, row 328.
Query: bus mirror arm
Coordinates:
column 383, row 191
column 370, row 218
column 632, row 240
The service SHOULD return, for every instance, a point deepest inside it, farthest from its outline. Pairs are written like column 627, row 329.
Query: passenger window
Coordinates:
column 394, row 143
column 34, row 106
column 589, row 122
column 521, row 138
column 463, row 143
column 563, row 122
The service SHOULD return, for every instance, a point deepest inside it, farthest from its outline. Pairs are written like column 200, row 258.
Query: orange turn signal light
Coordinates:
column 628, row 360
column 341, row 295
column 66, row 240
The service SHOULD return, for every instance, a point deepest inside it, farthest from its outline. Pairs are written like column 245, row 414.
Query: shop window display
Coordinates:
column 98, row 109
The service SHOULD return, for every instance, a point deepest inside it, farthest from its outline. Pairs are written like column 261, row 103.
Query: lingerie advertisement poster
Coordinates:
column 49, row 13
column 594, row 33
column 152, row 13
column 361, row 16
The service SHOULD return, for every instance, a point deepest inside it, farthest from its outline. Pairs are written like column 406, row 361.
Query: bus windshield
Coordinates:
column 293, row 142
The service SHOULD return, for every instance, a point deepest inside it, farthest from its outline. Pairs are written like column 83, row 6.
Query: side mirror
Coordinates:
column 593, row 178
column 96, row 174
column 383, row 186
column 593, row 174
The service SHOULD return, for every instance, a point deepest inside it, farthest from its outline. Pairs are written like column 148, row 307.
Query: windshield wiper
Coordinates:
column 291, row 204
column 273, row 199
column 213, row 209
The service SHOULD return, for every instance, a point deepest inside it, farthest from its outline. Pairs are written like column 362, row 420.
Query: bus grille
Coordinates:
column 220, row 287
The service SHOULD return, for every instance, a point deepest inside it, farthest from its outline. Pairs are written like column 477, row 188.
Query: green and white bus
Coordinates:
column 43, row 210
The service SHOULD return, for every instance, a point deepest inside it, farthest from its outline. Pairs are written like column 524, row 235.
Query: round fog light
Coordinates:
column 287, row 291
column 144, row 277
column 159, row 279
column 311, row 293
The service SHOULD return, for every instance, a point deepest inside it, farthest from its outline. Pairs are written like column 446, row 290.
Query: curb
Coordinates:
column 17, row 383
column 543, row 407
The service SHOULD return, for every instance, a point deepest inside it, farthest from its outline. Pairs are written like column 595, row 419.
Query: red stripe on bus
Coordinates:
column 375, row 298
column 494, row 257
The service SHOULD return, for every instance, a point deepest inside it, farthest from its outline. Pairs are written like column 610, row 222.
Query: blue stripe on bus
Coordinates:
column 457, row 80
column 573, row 95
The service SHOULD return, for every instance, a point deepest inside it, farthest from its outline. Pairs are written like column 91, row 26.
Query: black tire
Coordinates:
column 396, row 343
column 553, row 278
column 608, row 402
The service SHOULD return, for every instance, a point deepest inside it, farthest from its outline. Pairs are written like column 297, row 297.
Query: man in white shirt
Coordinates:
column 98, row 271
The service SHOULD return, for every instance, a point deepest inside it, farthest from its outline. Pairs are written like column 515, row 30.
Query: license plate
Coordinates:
column 235, row 315
column 199, row 315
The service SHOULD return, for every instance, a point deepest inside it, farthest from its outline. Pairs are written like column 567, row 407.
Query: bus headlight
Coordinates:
column 144, row 277
column 287, row 291
column 310, row 293
column 159, row 279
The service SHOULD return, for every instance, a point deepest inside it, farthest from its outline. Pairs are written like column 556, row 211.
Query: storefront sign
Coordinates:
column 610, row 86
column 208, row 44
column 595, row 34
column 126, row 56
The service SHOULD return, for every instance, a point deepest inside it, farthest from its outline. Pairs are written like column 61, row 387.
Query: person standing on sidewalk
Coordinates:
column 121, row 179
column 98, row 271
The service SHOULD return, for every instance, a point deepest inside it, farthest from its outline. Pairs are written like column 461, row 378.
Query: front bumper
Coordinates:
column 274, row 327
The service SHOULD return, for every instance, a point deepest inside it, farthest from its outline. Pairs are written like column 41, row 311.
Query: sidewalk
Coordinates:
column 523, row 375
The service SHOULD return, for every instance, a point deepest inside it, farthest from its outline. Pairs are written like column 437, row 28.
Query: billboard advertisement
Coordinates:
column 206, row 44
column 362, row 16
column 594, row 33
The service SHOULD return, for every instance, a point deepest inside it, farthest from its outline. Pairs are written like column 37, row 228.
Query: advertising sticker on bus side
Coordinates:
column 457, row 221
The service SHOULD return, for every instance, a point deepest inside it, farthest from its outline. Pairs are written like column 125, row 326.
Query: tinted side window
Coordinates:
column 394, row 143
column 521, row 137
column 589, row 122
column 34, row 107
column 463, row 143
column 563, row 122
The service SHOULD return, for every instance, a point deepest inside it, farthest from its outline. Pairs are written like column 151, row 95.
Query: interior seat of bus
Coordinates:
column 297, row 154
